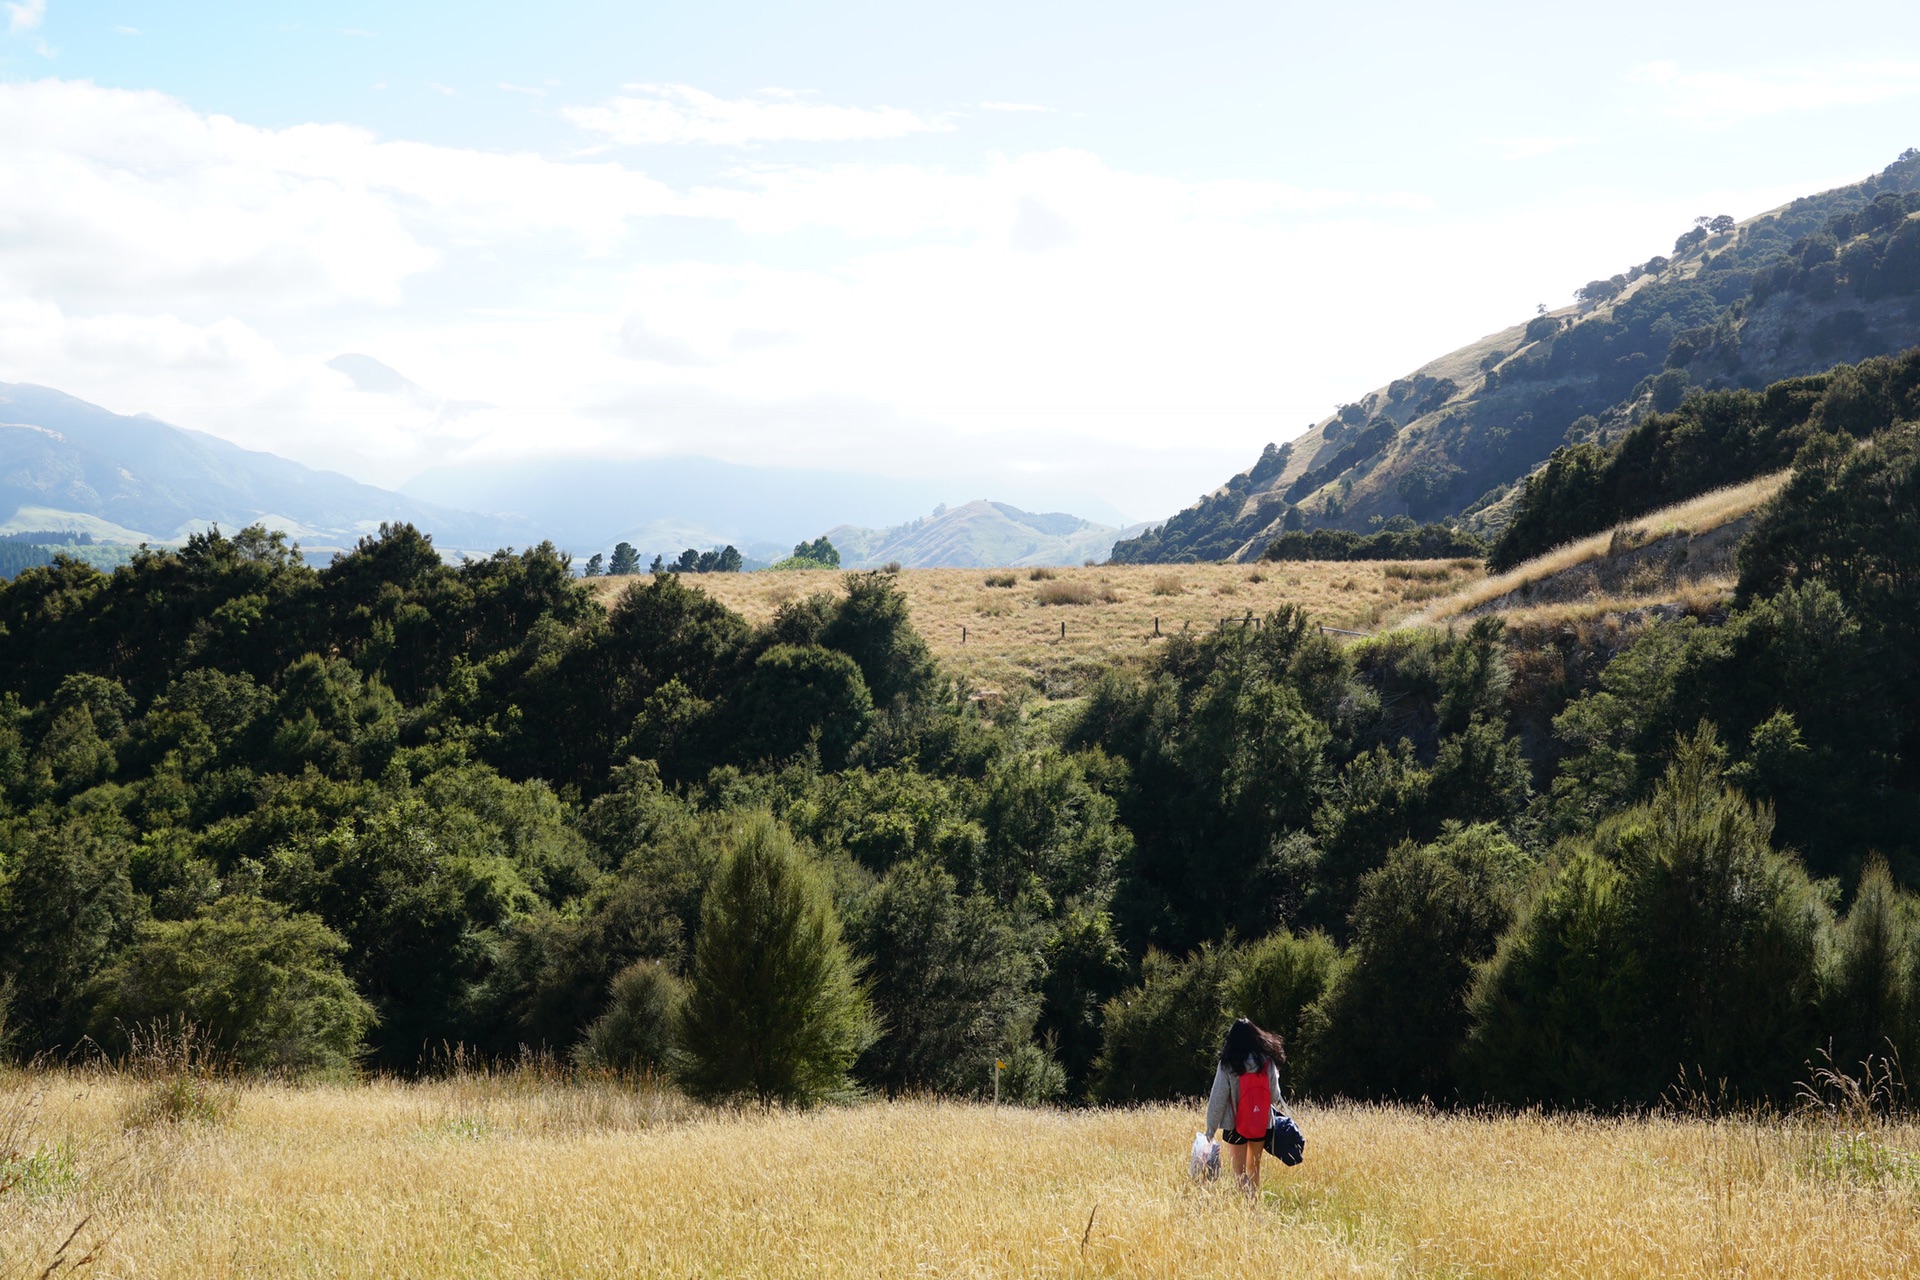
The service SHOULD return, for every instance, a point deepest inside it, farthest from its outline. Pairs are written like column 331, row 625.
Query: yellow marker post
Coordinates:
column 998, row 1067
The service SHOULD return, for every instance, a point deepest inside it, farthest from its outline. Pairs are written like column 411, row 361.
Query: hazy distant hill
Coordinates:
column 69, row 465
column 662, row 505
column 978, row 534
column 1828, row 278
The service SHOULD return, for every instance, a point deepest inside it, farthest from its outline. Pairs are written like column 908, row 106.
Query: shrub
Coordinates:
column 1278, row 980
column 804, row 694
column 1074, row 593
column 263, row 984
column 1000, row 579
column 1169, row 584
column 1162, row 1036
column 954, row 984
column 1679, row 940
column 1040, row 574
column 775, row 1012
column 1422, row 923
column 636, row 1033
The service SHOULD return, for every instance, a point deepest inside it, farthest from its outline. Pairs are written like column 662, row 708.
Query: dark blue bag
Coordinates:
column 1285, row 1140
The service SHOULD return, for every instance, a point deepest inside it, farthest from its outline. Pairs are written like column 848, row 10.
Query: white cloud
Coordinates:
column 1719, row 98
column 1010, row 106
column 1049, row 311
column 650, row 114
column 1529, row 148
column 25, row 15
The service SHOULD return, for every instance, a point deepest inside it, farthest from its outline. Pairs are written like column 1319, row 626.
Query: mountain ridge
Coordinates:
column 1739, row 304
column 978, row 534
column 67, row 463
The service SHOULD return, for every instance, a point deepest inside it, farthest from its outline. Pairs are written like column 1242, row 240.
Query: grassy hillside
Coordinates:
column 1687, row 549
column 1013, row 641
column 977, row 534
column 530, row 1177
column 1830, row 277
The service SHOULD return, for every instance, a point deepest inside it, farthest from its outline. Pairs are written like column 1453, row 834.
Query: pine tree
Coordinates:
column 625, row 560
column 775, row 1012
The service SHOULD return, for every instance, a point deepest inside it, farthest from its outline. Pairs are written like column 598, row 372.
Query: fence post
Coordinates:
column 963, row 635
column 1063, row 629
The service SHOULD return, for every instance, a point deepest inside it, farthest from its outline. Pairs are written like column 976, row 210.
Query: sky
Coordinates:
column 1073, row 254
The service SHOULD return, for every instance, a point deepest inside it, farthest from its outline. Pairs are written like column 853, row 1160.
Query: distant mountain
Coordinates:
column 1828, row 278
column 978, row 534
column 69, row 465
column 663, row 505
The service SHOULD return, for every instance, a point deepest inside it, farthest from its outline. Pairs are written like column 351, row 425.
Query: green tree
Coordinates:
column 595, row 563
column 953, row 982
column 1424, row 920
column 636, row 1033
column 66, row 905
column 800, row 695
column 264, row 984
column 1679, row 941
column 625, row 560
column 874, row 627
column 775, row 1010
column 1278, row 980
column 1163, row 1035
column 1869, row 1004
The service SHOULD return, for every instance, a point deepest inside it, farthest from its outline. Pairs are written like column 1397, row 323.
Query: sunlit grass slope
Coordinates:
column 491, row 1179
column 1012, row 636
column 1685, row 551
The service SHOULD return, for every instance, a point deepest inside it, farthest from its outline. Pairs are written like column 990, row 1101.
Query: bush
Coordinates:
column 774, row 1012
column 637, row 1032
column 1040, row 575
column 1000, row 579
column 954, row 984
column 1074, row 593
column 263, row 984
column 1677, row 941
column 1423, row 922
column 1278, row 980
column 1162, row 1036
column 800, row 695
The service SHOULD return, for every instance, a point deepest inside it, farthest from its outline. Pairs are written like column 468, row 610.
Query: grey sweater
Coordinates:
column 1224, row 1101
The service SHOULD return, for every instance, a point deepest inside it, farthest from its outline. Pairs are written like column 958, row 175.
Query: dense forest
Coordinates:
column 352, row 818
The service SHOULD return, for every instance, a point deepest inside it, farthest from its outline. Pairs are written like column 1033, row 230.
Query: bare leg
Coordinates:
column 1254, row 1151
column 1240, row 1163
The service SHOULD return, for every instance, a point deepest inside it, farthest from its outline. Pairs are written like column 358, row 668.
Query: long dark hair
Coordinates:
column 1245, row 1040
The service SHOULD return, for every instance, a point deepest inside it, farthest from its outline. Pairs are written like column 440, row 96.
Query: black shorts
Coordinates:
column 1233, row 1139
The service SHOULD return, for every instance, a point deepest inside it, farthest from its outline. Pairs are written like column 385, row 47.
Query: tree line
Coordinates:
column 355, row 815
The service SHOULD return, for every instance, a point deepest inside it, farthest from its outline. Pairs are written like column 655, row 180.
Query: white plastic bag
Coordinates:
column 1203, row 1165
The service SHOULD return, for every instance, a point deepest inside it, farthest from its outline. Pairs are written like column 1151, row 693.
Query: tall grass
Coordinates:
column 507, row 1175
column 1696, row 516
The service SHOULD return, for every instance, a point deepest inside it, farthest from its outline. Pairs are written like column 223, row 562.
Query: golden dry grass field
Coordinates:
column 498, row 1177
column 1012, row 635
column 1572, row 577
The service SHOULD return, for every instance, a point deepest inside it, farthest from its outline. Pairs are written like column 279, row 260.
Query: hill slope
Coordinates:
column 978, row 534
column 1830, row 277
column 69, row 465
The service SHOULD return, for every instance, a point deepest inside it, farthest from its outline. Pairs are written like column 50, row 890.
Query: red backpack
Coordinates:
column 1255, row 1112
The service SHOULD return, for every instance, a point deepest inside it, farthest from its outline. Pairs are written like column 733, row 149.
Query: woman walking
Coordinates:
column 1246, row 1083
